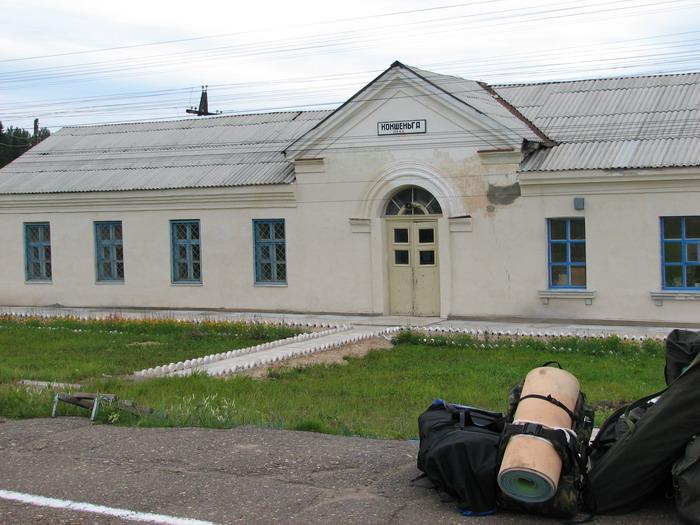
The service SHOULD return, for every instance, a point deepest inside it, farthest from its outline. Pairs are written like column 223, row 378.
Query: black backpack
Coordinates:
column 686, row 482
column 635, row 462
column 459, row 453
column 681, row 348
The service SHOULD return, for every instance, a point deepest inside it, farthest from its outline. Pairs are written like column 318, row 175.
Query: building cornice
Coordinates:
column 590, row 182
column 182, row 199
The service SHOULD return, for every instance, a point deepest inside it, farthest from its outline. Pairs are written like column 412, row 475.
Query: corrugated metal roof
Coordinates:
column 214, row 152
column 629, row 122
column 619, row 154
column 615, row 123
column 475, row 95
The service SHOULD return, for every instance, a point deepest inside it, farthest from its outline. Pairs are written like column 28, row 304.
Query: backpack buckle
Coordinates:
column 533, row 429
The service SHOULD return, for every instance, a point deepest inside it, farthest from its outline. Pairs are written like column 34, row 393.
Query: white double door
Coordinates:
column 414, row 274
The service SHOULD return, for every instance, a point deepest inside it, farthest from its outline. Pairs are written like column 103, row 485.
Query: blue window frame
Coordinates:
column 566, row 252
column 186, row 251
column 680, row 253
column 270, row 251
column 109, row 251
column 37, row 243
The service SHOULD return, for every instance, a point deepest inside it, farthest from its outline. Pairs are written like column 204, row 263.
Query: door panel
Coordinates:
column 414, row 278
column 400, row 271
column 426, row 275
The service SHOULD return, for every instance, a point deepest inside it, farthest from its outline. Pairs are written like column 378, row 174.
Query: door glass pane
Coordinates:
column 672, row 227
column 674, row 276
column 692, row 227
column 557, row 229
column 427, row 257
column 401, row 257
column 672, row 252
column 558, row 276
column 400, row 235
column 426, row 236
column 578, row 276
column 558, row 253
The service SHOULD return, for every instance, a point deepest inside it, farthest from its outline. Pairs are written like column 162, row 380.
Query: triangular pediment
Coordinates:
column 406, row 107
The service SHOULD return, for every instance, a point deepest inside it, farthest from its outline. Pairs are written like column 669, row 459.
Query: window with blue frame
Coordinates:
column 680, row 253
column 567, row 252
column 270, row 251
column 187, row 254
column 37, row 241
column 109, row 251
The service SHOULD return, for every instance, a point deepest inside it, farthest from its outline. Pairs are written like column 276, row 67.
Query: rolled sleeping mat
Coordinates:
column 531, row 466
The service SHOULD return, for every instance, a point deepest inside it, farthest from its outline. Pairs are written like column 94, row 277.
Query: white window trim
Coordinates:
column 582, row 295
column 674, row 295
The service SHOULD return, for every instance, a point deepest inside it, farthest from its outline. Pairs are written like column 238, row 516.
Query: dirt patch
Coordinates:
column 335, row 356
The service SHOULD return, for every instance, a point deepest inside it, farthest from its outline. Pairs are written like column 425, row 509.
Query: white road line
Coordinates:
column 126, row 514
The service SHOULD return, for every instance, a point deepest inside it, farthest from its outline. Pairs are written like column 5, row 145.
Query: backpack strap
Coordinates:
column 560, row 439
column 552, row 400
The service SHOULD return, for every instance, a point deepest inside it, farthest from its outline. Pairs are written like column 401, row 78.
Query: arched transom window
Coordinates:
column 413, row 201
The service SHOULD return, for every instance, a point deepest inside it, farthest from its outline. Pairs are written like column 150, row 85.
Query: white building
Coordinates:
column 423, row 194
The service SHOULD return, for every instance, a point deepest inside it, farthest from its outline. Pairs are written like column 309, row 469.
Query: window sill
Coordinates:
column 271, row 285
column 37, row 281
column 186, row 284
column 100, row 283
column 674, row 295
column 583, row 295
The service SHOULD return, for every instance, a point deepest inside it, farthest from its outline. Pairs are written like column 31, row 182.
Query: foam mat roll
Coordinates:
column 523, row 482
column 531, row 466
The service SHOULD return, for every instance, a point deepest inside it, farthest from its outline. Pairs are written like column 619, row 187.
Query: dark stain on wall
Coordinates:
column 503, row 194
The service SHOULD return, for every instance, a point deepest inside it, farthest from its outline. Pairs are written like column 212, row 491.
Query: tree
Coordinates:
column 15, row 141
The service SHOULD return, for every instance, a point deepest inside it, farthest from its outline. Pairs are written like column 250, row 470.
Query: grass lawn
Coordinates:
column 379, row 395
column 70, row 350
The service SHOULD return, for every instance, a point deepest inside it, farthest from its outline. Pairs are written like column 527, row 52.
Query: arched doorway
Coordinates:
column 411, row 215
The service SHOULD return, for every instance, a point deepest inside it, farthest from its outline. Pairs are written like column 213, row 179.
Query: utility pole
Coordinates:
column 203, row 109
column 36, row 131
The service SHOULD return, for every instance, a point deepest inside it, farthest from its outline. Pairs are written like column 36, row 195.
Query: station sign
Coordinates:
column 401, row 127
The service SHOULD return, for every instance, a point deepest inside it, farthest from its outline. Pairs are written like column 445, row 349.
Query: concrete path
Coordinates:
column 242, row 475
column 270, row 353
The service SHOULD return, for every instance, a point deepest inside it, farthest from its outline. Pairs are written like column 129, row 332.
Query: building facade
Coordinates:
column 423, row 194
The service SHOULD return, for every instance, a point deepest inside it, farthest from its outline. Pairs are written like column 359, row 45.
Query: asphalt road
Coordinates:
column 243, row 475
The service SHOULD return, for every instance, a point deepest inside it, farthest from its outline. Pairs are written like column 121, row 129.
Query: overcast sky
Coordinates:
column 86, row 61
